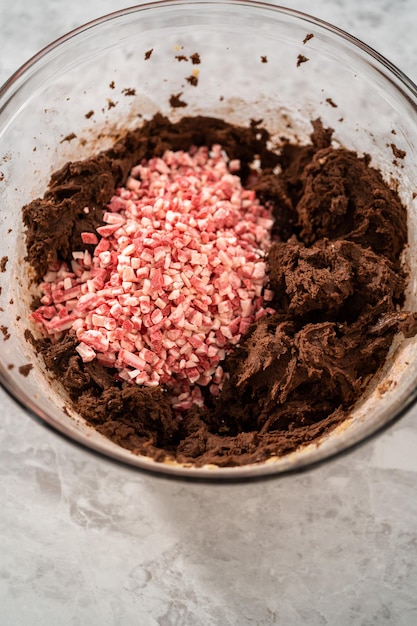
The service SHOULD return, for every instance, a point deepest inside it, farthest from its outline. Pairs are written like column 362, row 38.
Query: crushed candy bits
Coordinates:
column 177, row 276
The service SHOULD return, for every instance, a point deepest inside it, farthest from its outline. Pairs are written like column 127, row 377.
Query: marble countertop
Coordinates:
column 86, row 541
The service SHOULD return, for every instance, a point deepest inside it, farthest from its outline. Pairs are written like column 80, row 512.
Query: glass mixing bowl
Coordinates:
column 250, row 68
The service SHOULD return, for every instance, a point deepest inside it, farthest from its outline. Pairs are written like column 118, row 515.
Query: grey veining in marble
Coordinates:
column 86, row 541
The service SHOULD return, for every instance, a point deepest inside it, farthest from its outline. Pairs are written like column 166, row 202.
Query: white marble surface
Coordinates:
column 85, row 541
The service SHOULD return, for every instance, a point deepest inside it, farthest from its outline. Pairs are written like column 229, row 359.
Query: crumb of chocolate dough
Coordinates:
column 397, row 152
column 10, row 366
column 221, row 98
column 193, row 80
column 112, row 85
column 181, row 57
column 89, row 114
column 334, row 268
column 264, row 59
column 129, row 91
column 1, row 176
column 28, row 335
column 111, row 104
column 195, row 58
column 394, row 132
column 308, row 37
column 25, row 369
column 3, row 263
column 385, row 386
column 69, row 137
column 148, row 54
column 332, row 104
column 341, row 119
column 301, row 59
column 176, row 102
column 5, row 331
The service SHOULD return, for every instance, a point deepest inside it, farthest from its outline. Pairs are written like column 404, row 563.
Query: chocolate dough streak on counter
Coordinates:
column 334, row 267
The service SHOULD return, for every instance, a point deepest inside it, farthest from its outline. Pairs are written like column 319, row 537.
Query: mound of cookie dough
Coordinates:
column 303, row 340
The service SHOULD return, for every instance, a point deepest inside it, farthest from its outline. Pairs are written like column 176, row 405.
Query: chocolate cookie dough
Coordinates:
column 334, row 268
